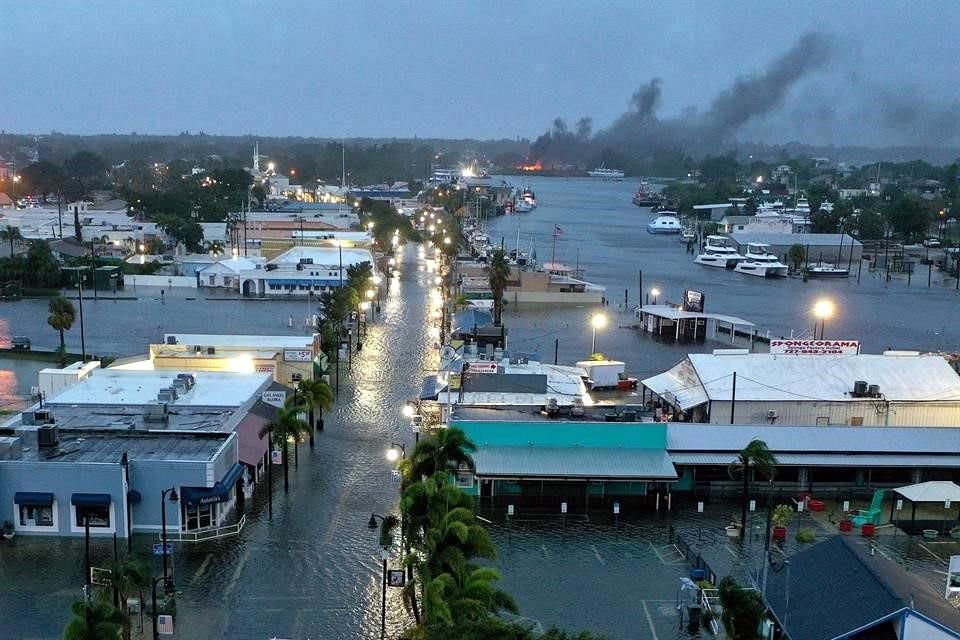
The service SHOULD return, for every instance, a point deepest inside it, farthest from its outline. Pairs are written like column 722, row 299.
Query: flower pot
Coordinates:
column 846, row 526
column 868, row 530
column 815, row 505
column 779, row 533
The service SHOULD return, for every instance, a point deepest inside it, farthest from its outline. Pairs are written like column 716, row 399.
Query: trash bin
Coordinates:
column 697, row 574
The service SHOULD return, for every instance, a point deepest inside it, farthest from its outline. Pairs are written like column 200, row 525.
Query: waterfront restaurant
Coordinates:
column 54, row 482
column 303, row 270
column 527, row 457
column 896, row 388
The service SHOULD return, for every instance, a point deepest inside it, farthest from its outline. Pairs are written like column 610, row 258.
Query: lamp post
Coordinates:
column 83, row 342
column 655, row 293
column 822, row 310
column 385, row 542
column 168, row 589
column 598, row 321
column 397, row 451
column 172, row 492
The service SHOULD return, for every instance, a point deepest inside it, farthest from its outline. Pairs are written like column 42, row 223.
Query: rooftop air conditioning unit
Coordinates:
column 859, row 388
column 171, row 339
column 772, row 416
column 197, row 349
column 873, row 391
column 180, row 386
column 156, row 412
column 188, row 378
column 47, row 437
column 167, row 395
column 211, row 351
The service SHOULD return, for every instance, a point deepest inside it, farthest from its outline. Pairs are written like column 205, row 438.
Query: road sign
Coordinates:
column 396, row 577
column 100, row 576
column 563, row 507
column 158, row 549
column 276, row 456
column 753, row 505
column 509, row 509
column 395, row 476
column 616, row 508
column 165, row 625
column 699, row 507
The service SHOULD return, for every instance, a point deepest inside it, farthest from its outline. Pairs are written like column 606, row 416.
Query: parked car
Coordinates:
column 931, row 243
column 20, row 343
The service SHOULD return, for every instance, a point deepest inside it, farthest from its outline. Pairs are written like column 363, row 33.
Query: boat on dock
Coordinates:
column 757, row 261
column 718, row 252
column 603, row 173
column 644, row 197
column 665, row 224
column 824, row 270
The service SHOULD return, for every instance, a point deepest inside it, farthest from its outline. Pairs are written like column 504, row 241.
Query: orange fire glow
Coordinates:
column 531, row 167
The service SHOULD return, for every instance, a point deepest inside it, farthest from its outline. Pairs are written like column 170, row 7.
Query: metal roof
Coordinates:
column 573, row 462
column 123, row 387
column 675, row 313
column 765, row 377
column 715, row 439
column 92, row 446
column 933, row 491
column 788, row 239
column 241, row 341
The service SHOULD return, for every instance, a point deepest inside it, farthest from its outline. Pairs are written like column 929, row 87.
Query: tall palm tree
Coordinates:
column 469, row 594
column 12, row 235
column 445, row 450
column 62, row 315
column 757, row 455
column 317, row 395
column 498, row 273
column 285, row 426
column 94, row 620
column 215, row 247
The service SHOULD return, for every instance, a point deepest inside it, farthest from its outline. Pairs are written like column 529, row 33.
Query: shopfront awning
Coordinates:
column 574, row 462
column 90, row 499
column 33, row 498
column 220, row 492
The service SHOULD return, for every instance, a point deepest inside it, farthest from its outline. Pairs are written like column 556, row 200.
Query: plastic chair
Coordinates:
column 872, row 514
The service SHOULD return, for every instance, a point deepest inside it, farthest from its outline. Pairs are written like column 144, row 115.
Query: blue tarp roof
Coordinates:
column 431, row 388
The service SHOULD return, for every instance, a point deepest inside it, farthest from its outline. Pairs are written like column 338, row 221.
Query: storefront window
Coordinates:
column 35, row 515
column 199, row 517
column 96, row 515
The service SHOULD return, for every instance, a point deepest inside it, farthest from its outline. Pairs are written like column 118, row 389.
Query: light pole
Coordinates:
column 822, row 310
column 655, row 293
column 598, row 321
column 168, row 589
column 172, row 491
column 83, row 342
column 397, row 451
column 385, row 541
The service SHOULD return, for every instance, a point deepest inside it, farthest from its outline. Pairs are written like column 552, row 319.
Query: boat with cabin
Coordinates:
column 718, row 252
column 825, row 270
column 603, row 173
column 665, row 224
column 644, row 197
column 757, row 261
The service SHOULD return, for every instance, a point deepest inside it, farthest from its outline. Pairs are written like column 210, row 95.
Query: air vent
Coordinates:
column 47, row 437
column 156, row 412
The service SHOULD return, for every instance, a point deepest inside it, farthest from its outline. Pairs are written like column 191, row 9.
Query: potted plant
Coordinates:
column 781, row 516
column 7, row 531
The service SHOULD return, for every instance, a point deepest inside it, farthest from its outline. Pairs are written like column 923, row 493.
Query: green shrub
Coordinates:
column 806, row 535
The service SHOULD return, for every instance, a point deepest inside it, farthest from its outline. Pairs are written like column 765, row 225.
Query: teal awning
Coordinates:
column 595, row 463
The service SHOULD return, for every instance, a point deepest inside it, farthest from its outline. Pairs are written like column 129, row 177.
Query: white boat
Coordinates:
column 825, row 270
column 665, row 224
column 757, row 261
column 606, row 174
column 523, row 206
column 718, row 253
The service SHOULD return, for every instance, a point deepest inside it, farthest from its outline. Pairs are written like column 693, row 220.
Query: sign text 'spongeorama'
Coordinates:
column 815, row 347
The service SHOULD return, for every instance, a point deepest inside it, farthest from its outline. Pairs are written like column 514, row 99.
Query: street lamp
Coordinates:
column 408, row 410
column 598, row 321
column 396, row 451
column 823, row 309
column 655, row 293
column 385, row 541
column 168, row 589
column 172, row 491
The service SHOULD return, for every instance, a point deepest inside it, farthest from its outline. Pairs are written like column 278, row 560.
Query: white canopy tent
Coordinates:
column 942, row 492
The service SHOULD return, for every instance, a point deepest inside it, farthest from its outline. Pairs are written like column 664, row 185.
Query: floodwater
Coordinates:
column 606, row 236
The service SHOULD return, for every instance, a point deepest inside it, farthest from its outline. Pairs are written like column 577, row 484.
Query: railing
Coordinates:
column 202, row 535
column 710, row 601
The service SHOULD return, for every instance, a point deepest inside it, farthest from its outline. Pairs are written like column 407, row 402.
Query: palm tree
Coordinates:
column 317, row 395
column 498, row 273
column 128, row 576
column 470, row 595
column 215, row 247
column 286, row 425
column 755, row 454
column 62, row 315
column 12, row 235
column 445, row 450
column 94, row 620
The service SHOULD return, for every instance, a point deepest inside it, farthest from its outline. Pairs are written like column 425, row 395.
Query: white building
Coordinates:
column 897, row 388
column 226, row 273
column 299, row 271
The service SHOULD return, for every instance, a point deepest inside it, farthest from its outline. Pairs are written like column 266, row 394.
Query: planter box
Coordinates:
column 868, row 530
column 845, row 526
column 815, row 505
column 779, row 533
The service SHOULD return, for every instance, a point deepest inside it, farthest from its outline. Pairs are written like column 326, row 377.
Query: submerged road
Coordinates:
column 314, row 571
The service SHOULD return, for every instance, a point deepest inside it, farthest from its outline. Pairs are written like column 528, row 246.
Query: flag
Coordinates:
column 557, row 230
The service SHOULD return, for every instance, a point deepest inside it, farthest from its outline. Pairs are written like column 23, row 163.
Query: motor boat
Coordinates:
column 824, row 270
column 644, row 197
column 717, row 252
column 523, row 206
column 528, row 196
column 757, row 261
column 665, row 224
column 604, row 173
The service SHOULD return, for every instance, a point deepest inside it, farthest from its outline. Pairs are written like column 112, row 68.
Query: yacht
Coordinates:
column 665, row 224
column 522, row 206
column 644, row 197
column 718, row 253
column 606, row 174
column 527, row 195
column 757, row 261
column 824, row 270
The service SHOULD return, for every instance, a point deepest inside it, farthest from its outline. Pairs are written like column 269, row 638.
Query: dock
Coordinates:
column 668, row 321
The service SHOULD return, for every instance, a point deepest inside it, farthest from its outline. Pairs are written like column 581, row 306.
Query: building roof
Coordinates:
column 781, row 239
column 109, row 446
column 124, row 387
column 932, row 491
column 5, row 200
column 241, row 341
column 230, row 265
column 771, row 378
column 573, row 462
column 836, row 587
column 676, row 313
column 327, row 256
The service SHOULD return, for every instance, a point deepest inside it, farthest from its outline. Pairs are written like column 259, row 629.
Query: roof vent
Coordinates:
column 167, row 395
column 155, row 412
column 47, row 437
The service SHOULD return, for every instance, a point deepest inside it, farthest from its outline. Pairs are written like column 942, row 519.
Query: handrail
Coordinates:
column 707, row 598
column 202, row 535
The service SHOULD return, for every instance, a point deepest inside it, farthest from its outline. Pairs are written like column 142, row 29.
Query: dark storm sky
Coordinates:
column 465, row 69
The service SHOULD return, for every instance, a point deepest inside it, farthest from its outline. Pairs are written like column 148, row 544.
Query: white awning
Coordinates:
column 933, row 491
